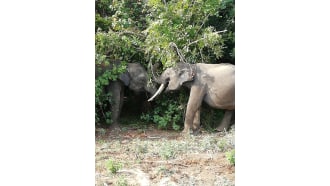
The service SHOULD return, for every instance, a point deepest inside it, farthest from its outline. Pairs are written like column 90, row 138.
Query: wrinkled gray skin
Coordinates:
column 212, row 83
column 135, row 78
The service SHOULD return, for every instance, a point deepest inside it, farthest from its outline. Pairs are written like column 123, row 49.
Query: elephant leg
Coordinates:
column 196, row 122
column 115, row 89
column 232, row 122
column 194, row 103
column 224, row 125
column 121, row 98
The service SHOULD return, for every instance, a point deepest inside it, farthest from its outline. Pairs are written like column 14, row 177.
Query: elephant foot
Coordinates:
column 196, row 129
column 221, row 129
column 225, row 123
column 187, row 131
column 190, row 131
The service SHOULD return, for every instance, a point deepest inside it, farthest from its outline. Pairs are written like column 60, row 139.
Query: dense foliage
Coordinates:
column 169, row 111
column 163, row 32
column 117, row 38
column 177, row 31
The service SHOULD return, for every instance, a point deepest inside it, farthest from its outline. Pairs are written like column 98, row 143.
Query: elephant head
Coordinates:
column 135, row 78
column 175, row 77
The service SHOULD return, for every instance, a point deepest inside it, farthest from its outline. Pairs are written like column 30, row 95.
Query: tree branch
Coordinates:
column 177, row 50
column 203, row 38
column 130, row 32
column 126, row 32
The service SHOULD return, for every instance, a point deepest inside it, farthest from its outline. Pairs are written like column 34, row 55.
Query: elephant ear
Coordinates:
column 125, row 78
column 186, row 72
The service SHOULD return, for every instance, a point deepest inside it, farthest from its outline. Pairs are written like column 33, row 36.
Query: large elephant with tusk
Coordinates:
column 212, row 83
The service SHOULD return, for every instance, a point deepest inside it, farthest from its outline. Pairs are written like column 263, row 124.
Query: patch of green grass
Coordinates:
column 161, row 170
column 207, row 143
column 230, row 155
column 222, row 144
column 101, row 142
column 101, row 131
column 164, row 171
column 167, row 151
column 113, row 166
column 142, row 148
column 121, row 181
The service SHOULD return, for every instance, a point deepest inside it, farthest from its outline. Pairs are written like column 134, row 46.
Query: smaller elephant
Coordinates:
column 135, row 78
column 212, row 83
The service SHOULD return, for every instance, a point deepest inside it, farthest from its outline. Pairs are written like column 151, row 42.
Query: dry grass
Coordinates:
column 154, row 157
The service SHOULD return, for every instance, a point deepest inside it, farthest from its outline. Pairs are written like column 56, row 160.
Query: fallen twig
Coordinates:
column 153, row 137
column 165, row 162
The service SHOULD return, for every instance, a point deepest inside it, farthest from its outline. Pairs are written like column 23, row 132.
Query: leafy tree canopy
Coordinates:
column 161, row 31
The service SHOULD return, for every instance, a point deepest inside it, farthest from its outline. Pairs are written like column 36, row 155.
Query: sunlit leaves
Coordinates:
column 182, row 23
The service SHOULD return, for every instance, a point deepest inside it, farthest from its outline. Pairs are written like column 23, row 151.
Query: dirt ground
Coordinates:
column 150, row 156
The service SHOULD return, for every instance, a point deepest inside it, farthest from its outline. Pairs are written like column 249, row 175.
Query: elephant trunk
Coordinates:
column 161, row 88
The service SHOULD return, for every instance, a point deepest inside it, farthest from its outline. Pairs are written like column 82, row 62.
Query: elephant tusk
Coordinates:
column 161, row 88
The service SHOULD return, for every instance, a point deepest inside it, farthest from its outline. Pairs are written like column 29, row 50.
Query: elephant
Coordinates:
column 135, row 78
column 211, row 83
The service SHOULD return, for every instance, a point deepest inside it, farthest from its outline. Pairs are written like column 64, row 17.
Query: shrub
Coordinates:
column 210, row 117
column 113, row 166
column 169, row 111
column 168, row 151
column 230, row 155
column 222, row 144
column 121, row 181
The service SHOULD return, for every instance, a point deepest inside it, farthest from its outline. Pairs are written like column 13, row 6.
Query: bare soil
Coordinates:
column 160, row 157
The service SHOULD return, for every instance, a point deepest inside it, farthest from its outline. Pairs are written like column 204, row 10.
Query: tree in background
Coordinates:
column 177, row 31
